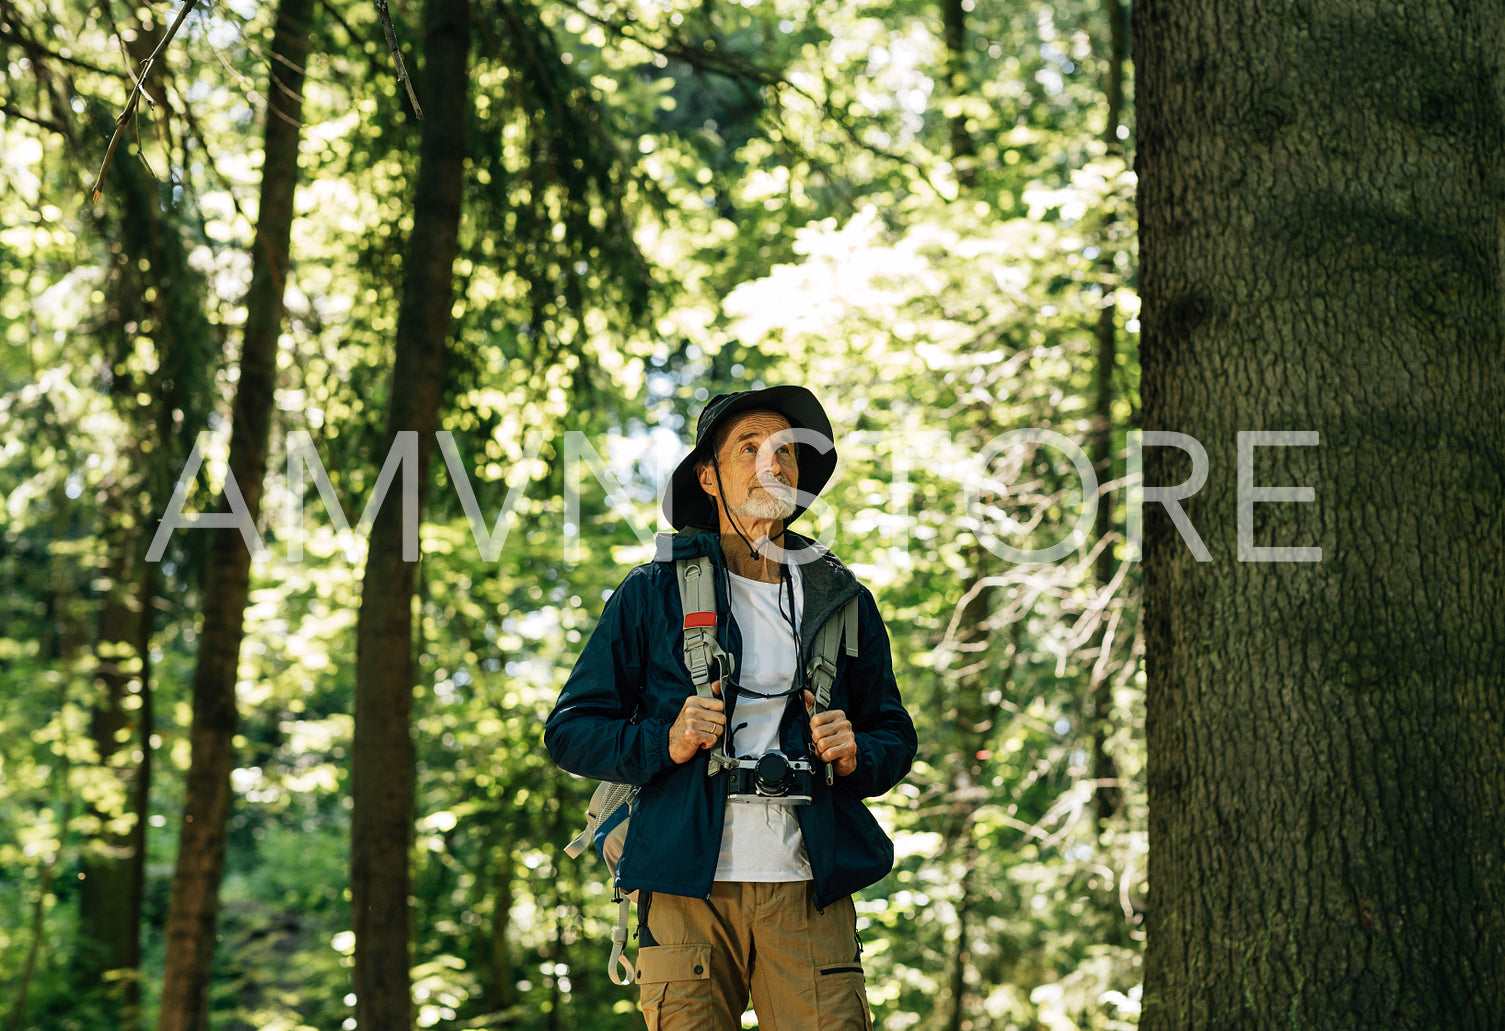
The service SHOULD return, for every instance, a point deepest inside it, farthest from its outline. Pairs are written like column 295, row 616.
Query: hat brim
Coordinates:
column 687, row 503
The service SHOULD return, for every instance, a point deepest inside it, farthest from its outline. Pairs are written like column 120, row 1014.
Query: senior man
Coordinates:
column 749, row 832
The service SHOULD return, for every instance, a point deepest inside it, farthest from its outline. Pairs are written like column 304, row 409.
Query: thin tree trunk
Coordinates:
column 67, row 641
column 501, row 980
column 113, row 857
column 194, row 910
column 1107, row 796
column 141, row 786
column 382, row 753
column 114, row 860
column 963, row 148
column 971, row 722
column 1320, row 196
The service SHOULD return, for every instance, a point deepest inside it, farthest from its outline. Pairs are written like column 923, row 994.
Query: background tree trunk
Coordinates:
column 201, row 850
column 1320, row 191
column 114, row 859
column 108, row 952
column 963, row 148
column 1107, row 796
column 382, row 754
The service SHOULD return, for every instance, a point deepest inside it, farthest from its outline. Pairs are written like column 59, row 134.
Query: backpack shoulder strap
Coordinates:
column 697, row 596
column 821, row 674
column 704, row 657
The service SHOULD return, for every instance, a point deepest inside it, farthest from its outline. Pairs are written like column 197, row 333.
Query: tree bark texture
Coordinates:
column 1320, row 197
column 194, row 910
column 382, row 754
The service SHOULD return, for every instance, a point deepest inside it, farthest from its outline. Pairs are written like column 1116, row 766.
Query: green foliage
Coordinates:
column 663, row 202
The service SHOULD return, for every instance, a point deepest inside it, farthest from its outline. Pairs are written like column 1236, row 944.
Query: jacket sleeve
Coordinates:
column 591, row 731
column 886, row 741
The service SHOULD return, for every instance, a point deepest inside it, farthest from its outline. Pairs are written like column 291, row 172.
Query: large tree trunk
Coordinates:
column 1321, row 250
column 382, row 755
column 201, row 850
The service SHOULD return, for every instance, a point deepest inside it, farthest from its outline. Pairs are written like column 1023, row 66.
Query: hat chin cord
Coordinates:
column 752, row 549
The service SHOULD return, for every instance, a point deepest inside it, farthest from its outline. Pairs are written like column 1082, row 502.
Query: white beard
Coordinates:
column 767, row 504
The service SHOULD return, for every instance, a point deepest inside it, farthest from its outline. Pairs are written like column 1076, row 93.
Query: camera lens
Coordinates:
column 773, row 774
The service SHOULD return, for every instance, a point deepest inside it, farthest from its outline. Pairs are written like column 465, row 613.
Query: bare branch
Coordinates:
column 135, row 98
column 402, row 71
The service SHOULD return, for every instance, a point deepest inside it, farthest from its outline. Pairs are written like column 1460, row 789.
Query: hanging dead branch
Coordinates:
column 135, row 98
column 402, row 71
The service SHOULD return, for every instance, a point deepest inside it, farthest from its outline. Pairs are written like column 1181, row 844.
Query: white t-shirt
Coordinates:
column 761, row 841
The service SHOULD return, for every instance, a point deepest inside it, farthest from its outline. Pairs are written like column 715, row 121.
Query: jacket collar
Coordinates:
column 828, row 583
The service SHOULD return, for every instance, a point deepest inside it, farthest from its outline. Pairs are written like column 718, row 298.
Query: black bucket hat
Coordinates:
column 686, row 504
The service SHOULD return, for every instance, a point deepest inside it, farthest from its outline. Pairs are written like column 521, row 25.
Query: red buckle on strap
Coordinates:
column 699, row 619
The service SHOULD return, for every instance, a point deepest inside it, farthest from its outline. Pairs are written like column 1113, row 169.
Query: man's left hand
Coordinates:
column 835, row 740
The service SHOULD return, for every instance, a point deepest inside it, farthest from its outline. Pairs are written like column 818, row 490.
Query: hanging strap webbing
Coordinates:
column 608, row 797
column 618, row 943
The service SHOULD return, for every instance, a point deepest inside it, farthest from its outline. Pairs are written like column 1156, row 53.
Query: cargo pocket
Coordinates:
column 676, row 987
column 841, row 998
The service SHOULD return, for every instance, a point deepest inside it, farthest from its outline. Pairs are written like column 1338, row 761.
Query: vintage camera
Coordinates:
column 772, row 778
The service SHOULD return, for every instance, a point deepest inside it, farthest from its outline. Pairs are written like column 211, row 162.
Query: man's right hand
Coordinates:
column 700, row 724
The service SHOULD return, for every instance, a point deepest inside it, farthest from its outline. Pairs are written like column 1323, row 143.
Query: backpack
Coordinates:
column 610, row 807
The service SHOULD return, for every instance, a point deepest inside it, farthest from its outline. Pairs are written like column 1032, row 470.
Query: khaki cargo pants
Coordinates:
column 699, row 959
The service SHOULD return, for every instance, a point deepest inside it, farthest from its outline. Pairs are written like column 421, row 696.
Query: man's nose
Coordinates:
column 768, row 462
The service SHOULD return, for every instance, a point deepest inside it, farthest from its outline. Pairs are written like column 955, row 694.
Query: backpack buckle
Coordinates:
column 822, row 674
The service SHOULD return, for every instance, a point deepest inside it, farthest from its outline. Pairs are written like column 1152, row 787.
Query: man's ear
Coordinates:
column 706, row 474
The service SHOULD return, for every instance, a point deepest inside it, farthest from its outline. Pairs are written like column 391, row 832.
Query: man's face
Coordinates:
column 746, row 465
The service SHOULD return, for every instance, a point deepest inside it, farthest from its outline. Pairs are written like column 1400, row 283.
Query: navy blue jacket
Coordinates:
column 613, row 716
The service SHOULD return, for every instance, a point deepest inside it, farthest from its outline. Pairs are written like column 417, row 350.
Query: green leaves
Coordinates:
column 662, row 202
